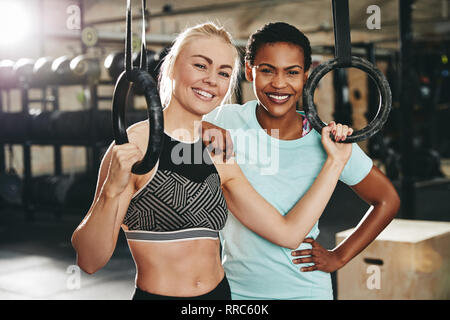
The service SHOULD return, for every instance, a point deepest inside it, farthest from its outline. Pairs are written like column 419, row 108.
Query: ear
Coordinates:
column 248, row 71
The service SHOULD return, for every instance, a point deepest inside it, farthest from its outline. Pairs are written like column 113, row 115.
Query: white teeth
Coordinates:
column 278, row 97
column 203, row 93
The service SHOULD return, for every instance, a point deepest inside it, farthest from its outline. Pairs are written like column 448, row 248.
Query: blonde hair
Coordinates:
column 208, row 29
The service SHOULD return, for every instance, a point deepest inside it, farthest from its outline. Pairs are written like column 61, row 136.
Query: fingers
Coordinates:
column 126, row 163
column 230, row 147
column 307, row 252
column 219, row 142
column 211, row 138
column 308, row 255
column 126, row 155
column 126, row 150
column 306, row 269
column 314, row 243
column 328, row 129
column 339, row 131
column 303, row 260
column 123, row 157
column 310, row 259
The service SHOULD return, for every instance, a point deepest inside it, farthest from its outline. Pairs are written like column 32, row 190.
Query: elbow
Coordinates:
column 87, row 261
column 90, row 262
column 390, row 204
column 90, row 258
column 88, row 266
column 90, row 270
column 395, row 205
column 290, row 237
column 293, row 243
column 393, row 202
column 87, row 269
column 281, row 240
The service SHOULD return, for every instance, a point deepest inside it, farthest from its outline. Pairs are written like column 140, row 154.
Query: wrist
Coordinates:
column 109, row 192
column 340, row 257
column 335, row 163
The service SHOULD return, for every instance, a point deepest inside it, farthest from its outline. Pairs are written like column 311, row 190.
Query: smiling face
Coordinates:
column 202, row 74
column 278, row 77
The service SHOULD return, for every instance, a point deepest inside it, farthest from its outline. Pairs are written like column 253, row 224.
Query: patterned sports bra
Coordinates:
column 182, row 201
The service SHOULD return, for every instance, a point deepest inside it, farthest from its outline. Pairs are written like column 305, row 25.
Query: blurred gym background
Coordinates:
column 59, row 60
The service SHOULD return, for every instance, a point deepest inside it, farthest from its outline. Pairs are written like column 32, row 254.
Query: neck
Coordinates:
column 180, row 123
column 289, row 126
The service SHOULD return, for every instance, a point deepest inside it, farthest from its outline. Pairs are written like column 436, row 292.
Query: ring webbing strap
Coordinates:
column 341, row 26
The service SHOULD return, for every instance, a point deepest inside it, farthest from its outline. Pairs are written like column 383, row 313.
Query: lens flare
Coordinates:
column 14, row 22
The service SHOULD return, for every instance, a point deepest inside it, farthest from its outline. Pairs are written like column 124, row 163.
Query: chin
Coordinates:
column 201, row 110
column 276, row 111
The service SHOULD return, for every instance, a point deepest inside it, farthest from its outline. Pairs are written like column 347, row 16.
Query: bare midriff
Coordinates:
column 180, row 269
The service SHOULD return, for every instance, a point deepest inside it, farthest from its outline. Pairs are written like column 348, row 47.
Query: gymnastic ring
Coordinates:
column 155, row 116
column 383, row 87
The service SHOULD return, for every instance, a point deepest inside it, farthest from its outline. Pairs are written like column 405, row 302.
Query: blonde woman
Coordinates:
column 171, row 216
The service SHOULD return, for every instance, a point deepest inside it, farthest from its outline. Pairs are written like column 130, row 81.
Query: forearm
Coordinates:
column 377, row 190
column 302, row 217
column 95, row 238
column 254, row 212
column 367, row 230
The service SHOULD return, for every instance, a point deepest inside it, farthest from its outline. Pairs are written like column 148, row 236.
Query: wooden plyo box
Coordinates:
column 410, row 259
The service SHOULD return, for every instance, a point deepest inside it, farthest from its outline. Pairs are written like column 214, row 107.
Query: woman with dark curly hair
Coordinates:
column 277, row 60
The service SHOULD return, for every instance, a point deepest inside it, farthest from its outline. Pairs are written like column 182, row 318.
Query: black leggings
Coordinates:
column 221, row 292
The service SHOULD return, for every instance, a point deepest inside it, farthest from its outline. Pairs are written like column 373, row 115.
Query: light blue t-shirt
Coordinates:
column 281, row 171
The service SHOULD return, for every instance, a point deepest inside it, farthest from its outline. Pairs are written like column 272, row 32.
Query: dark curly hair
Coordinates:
column 278, row 32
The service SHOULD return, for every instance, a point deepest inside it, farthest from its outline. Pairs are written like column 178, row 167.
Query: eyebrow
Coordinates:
column 209, row 60
column 273, row 67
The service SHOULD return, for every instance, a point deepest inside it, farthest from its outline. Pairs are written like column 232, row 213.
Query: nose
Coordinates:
column 211, row 78
column 279, row 80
